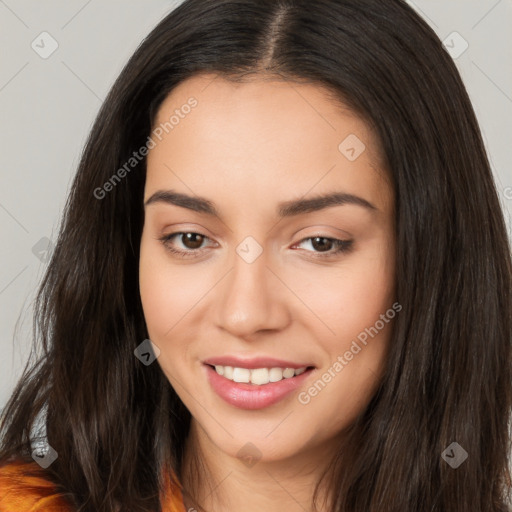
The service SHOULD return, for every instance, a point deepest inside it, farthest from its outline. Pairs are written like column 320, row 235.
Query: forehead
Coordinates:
column 263, row 138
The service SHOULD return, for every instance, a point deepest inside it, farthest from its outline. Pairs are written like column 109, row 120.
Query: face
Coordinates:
column 244, row 268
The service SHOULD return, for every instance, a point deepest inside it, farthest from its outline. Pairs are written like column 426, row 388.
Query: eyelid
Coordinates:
column 321, row 229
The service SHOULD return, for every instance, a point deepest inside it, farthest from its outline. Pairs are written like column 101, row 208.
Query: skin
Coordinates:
column 246, row 147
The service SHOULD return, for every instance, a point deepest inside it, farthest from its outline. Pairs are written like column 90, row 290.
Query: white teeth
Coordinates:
column 275, row 374
column 288, row 373
column 258, row 376
column 241, row 375
column 228, row 372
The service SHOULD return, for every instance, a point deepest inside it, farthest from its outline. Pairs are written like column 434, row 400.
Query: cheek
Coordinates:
column 166, row 291
column 167, row 294
column 355, row 304
column 351, row 296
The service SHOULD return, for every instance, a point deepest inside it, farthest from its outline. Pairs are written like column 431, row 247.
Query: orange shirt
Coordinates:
column 23, row 488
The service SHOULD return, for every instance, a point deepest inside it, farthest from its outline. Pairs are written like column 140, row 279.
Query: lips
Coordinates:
column 244, row 395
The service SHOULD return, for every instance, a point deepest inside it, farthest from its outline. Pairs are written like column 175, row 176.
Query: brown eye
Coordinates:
column 185, row 244
column 322, row 244
column 192, row 240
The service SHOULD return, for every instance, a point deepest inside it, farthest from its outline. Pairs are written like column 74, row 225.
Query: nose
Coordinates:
column 251, row 299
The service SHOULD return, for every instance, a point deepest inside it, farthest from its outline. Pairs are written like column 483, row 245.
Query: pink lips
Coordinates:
column 251, row 396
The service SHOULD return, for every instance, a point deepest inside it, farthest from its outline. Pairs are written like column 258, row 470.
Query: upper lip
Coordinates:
column 253, row 362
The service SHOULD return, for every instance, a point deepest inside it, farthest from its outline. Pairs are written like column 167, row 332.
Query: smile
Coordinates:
column 255, row 388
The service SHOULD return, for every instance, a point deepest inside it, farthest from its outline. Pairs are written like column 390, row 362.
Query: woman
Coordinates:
column 283, row 279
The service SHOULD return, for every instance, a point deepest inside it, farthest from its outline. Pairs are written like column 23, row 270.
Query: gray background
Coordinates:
column 47, row 107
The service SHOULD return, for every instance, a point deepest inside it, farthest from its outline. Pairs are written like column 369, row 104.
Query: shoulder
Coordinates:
column 24, row 487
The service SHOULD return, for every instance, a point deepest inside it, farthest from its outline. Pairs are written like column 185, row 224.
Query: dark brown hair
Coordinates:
column 116, row 423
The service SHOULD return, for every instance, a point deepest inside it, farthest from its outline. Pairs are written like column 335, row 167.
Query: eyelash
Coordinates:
column 342, row 246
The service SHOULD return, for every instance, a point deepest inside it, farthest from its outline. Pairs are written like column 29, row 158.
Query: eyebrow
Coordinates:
column 284, row 209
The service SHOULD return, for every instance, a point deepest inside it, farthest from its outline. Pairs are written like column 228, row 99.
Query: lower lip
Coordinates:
column 251, row 396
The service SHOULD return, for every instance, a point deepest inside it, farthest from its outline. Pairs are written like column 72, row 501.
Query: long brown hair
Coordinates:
column 116, row 424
